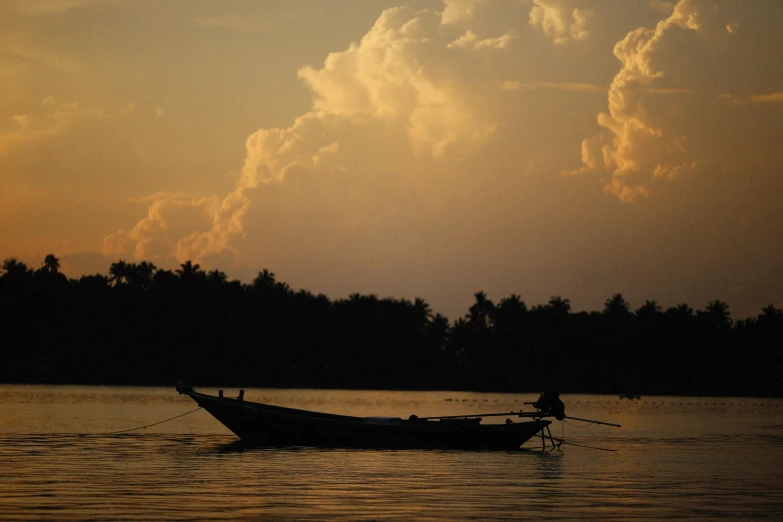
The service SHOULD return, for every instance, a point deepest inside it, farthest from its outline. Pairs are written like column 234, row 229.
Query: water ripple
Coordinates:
column 679, row 465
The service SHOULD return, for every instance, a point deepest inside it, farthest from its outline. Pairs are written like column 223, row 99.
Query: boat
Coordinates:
column 260, row 424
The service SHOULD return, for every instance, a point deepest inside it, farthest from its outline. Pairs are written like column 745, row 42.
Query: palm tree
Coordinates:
column 771, row 313
column 648, row 310
column 119, row 272
column 49, row 273
column 440, row 326
column 188, row 270
column 616, row 306
column 282, row 288
column 479, row 314
column 190, row 275
column 141, row 275
column 559, row 306
column 680, row 316
column 51, row 264
column 717, row 313
column 94, row 283
column 509, row 312
column 683, row 309
column 216, row 277
column 164, row 279
column 14, row 267
column 265, row 279
column 422, row 310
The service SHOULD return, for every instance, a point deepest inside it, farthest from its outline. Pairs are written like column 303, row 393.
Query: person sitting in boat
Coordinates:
column 549, row 402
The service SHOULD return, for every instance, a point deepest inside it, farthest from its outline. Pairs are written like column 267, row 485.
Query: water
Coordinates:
column 674, row 458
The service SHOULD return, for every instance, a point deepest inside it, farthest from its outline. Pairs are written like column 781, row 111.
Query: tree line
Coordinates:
column 148, row 326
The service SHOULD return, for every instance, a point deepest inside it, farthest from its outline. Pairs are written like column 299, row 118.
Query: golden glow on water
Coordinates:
column 713, row 458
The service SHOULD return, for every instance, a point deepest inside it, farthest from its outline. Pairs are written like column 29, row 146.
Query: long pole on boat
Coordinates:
column 517, row 414
column 587, row 420
column 593, row 421
column 505, row 414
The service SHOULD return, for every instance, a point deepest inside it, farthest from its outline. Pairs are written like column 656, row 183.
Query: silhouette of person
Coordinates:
column 549, row 402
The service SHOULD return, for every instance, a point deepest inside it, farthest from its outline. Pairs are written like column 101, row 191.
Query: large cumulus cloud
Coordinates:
column 410, row 126
column 667, row 92
column 390, row 107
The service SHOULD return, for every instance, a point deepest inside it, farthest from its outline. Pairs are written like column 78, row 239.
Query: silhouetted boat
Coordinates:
column 265, row 425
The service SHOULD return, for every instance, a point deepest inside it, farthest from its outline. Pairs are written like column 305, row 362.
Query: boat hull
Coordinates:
column 265, row 425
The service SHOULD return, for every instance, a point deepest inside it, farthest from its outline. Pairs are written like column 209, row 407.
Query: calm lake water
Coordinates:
column 674, row 458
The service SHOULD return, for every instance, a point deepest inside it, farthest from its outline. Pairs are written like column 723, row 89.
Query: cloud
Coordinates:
column 394, row 88
column 773, row 97
column 155, row 238
column 662, row 6
column 638, row 145
column 470, row 41
column 393, row 75
column 560, row 20
column 22, row 119
column 460, row 11
column 53, row 117
column 668, row 90
column 562, row 86
column 47, row 7
column 406, row 131
column 674, row 172
column 16, row 53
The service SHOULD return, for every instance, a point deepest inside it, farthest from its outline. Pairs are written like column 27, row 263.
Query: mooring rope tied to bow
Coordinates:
column 561, row 441
column 139, row 427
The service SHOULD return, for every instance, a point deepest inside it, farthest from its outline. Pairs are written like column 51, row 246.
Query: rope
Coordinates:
column 563, row 441
column 141, row 427
column 582, row 445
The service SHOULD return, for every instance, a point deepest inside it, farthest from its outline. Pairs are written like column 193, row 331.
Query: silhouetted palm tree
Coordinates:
column 684, row 310
column 616, row 306
column 717, row 313
column 771, row 313
column 422, row 311
column 509, row 312
column 558, row 306
column 14, row 267
column 165, row 280
column 648, row 310
column 216, row 277
column 140, row 275
column 264, row 279
column 188, row 270
column 480, row 313
column 51, row 264
column 440, row 327
column 119, row 272
column 94, row 283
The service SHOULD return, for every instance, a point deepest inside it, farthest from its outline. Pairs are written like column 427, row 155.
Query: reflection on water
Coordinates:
column 709, row 458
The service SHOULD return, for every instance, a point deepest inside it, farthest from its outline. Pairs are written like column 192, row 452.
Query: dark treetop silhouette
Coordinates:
column 144, row 325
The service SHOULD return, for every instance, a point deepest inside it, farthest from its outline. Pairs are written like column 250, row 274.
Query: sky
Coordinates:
column 574, row 148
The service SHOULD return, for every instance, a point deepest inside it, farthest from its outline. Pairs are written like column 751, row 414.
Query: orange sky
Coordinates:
column 538, row 147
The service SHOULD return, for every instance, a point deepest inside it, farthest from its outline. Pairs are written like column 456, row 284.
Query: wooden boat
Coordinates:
column 265, row 425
